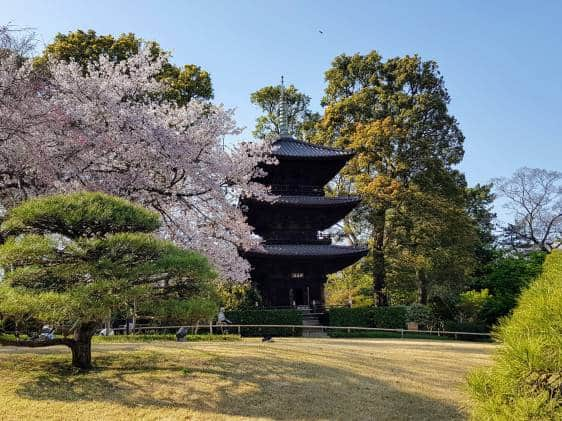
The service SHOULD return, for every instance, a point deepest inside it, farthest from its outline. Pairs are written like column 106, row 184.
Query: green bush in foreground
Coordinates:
column 525, row 381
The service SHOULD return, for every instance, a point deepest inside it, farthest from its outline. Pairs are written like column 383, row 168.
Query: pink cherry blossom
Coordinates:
column 107, row 129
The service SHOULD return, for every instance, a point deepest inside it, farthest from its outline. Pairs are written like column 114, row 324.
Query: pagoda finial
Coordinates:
column 283, row 121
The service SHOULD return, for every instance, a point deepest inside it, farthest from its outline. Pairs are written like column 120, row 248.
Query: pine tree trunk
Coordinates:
column 379, row 270
column 82, row 346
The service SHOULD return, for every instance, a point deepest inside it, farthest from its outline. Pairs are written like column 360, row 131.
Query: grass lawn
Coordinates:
column 289, row 379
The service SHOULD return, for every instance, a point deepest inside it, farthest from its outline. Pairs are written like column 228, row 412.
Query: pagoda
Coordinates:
column 290, row 268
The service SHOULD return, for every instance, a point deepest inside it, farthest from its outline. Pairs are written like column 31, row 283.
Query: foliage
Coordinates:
column 108, row 129
column 394, row 115
column 182, row 83
column 356, row 316
column 471, row 304
column 190, row 311
column 237, row 296
column 534, row 197
column 267, row 317
column 74, row 269
column 394, row 317
column 301, row 120
column 79, row 215
column 422, row 315
column 505, row 277
column 351, row 287
column 479, row 205
column 525, row 381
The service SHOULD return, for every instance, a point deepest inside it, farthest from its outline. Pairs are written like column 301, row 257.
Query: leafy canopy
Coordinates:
column 90, row 254
column 82, row 214
column 300, row 119
column 394, row 115
column 183, row 83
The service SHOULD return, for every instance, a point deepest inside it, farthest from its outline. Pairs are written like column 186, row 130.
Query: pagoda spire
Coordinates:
column 283, row 118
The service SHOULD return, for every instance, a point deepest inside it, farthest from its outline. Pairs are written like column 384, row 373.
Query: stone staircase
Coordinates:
column 311, row 319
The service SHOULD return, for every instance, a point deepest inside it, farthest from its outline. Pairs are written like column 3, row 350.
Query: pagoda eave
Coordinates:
column 314, row 251
column 309, row 201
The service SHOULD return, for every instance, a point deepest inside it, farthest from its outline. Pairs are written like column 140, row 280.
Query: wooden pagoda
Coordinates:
column 291, row 267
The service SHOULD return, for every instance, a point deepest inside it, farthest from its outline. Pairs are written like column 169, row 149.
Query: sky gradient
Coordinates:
column 501, row 60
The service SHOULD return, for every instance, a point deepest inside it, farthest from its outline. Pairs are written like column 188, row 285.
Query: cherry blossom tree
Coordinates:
column 107, row 130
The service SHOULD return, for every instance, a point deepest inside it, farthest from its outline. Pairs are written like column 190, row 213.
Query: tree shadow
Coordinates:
column 248, row 386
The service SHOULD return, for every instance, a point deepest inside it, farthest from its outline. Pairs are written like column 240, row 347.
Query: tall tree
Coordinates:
column 69, row 260
column 80, row 130
column 534, row 197
column 301, row 120
column 183, row 83
column 394, row 115
column 435, row 239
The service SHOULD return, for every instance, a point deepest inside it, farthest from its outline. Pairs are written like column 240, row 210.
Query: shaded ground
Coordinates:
column 290, row 379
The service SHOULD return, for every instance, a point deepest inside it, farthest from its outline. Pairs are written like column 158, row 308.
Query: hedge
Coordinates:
column 390, row 317
column 267, row 317
column 344, row 316
column 525, row 381
column 382, row 317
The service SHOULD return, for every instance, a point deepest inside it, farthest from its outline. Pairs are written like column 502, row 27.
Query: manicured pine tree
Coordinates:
column 70, row 260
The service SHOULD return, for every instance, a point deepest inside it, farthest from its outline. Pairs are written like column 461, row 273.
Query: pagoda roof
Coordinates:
column 309, row 250
column 289, row 147
column 319, row 201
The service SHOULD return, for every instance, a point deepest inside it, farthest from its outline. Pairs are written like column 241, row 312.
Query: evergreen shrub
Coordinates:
column 525, row 381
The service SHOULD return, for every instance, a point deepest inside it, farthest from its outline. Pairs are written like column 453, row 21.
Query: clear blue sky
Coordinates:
column 501, row 60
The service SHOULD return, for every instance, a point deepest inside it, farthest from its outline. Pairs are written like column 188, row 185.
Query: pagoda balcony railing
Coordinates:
column 297, row 190
column 298, row 237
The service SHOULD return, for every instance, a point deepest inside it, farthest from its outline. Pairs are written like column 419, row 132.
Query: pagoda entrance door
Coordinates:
column 300, row 296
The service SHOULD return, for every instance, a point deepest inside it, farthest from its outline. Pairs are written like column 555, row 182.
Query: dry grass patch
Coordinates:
column 290, row 379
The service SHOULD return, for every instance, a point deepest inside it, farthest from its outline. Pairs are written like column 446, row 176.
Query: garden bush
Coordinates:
column 345, row 316
column 422, row 315
column 267, row 317
column 525, row 381
column 382, row 317
column 390, row 317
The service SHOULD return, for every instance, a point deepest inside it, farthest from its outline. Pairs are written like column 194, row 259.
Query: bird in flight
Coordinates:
column 322, row 32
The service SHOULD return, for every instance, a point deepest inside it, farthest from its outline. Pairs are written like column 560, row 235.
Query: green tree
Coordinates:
column 479, row 201
column 394, row 115
column 72, row 260
column 505, row 277
column 184, row 83
column 350, row 287
column 434, row 239
column 301, row 120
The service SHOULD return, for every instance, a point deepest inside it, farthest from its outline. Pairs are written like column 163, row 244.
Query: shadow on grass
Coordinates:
column 254, row 386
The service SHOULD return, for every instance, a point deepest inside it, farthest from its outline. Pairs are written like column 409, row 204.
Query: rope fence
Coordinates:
column 237, row 328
